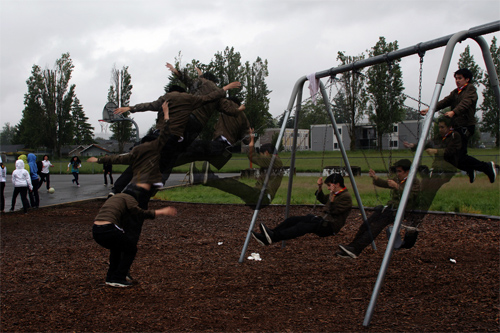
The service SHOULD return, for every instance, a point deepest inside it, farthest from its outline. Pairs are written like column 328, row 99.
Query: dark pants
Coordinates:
column 250, row 195
column 122, row 250
column 465, row 162
column 44, row 177
column 297, row 226
column 34, row 197
column 75, row 178
column 24, row 192
column 2, row 196
column 110, row 174
column 377, row 222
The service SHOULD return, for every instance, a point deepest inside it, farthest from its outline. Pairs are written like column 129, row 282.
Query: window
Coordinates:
column 393, row 144
column 395, row 129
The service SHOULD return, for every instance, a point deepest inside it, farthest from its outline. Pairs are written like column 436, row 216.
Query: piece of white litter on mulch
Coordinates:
column 220, row 243
column 453, row 261
column 255, row 256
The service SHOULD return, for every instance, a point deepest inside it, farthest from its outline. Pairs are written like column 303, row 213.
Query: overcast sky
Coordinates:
column 296, row 37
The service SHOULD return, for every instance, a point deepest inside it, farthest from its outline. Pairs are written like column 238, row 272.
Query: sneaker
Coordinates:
column 105, row 184
column 260, row 238
column 78, row 185
column 492, row 175
column 472, row 176
column 349, row 250
column 342, row 254
column 191, row 173
column 119, row 283
column 268, row 233
column 110, row 194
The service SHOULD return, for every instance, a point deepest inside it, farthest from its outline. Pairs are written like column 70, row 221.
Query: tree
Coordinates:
column 7, row 134
column 385, row 87
column 46, row 119
column 82, row 130
column 256, row 91
column 353, row 91
column 119, row 92
column 491, row 111
column 467, row 61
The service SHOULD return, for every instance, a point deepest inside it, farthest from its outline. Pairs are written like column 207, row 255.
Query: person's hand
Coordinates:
column 408, row 145
column 92, row 160
column 424, row 112
column 200, row 73
column 232, row 85
column 166, row 211
column 449, row 114
column 121, row 110
column 169, row 66
column 372, row 174
column 431, row 151
column 166, row 110
column 242, row 107
column 392, row 184
column 320, row 182
column 252, row 137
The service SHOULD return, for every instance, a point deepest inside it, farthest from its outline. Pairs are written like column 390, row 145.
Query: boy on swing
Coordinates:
column 338, row 204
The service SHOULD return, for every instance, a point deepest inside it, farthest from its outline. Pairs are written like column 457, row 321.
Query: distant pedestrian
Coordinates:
column 35, row 180
column 3, row 180
column 44, row 172
column 22, row 181
column 107, row 168
column 75, row 165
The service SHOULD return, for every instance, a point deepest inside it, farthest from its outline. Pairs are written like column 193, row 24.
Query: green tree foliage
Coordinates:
column 352, row 90
column 256, row 94
column 491, row 111
column 46, row 119
column 385, row 87
column 83, row 132
column 7, row 134
column 467, row 61
column 120, row 92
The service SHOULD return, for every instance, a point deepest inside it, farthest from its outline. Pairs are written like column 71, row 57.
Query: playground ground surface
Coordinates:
column 189, row 278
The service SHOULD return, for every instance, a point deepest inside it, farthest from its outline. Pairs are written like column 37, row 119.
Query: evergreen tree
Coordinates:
column 46, row 117
column 467, row 61
column 82, row 130
column 256, row 94
column 385, row 87
column 120, row 92
column 490, row 108
column 7, row 134
column 352, row 87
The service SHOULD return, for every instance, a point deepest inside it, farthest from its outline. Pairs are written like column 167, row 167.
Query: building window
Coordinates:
column 395, row 129
column 335, row 145
column 393, row 143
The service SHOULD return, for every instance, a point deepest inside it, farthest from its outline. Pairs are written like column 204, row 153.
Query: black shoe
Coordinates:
column 118, row 283
column 351, row 252
column 472, row 175
column 268, row 233
column 492, row 174
column 260, row 238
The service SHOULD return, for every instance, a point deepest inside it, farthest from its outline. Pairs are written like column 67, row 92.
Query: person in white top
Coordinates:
column 44, row 174
column 3, row 179
column 22, row 181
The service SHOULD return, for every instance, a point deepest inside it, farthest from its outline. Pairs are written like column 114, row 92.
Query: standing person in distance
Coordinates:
column 22, row 181
column 107, row 168
column 3, row 180
column 45, row 172
column 75, row 165
column 35, row 180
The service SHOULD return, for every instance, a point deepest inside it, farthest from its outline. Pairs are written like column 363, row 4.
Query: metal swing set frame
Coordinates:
column 449, row 42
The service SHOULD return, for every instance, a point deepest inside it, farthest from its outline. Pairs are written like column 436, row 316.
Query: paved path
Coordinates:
column 91, row 186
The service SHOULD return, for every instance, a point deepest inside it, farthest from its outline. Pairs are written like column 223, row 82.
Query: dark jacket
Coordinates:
column 397, row 193
column 463, row 104
column 337, row 210
column 234, row 127
column 144, row 159
column 181, row 105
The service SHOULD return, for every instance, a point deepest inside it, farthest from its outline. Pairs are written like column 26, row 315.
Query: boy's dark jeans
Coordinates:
column 122, row 250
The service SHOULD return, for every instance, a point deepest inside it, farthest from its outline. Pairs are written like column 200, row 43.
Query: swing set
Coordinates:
column 449, row 42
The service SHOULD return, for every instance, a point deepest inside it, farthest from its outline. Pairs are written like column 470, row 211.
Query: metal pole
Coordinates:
column 413, row 171
column 344, row 156
column 490, row 67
